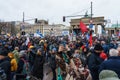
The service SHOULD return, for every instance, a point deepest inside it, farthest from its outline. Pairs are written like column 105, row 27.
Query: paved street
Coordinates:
column 47, row 70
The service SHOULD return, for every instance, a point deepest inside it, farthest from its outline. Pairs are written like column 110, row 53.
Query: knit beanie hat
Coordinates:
column 108, row 75
column 98, row 47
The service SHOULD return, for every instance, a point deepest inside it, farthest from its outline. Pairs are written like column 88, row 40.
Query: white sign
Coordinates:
column 65, row 33
column 74, row 38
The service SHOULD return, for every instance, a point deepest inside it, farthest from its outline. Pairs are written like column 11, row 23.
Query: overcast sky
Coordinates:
column 53, row 10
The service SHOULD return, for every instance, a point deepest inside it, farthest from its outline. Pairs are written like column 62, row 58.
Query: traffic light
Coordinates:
column 36, row 20
column 63, row 18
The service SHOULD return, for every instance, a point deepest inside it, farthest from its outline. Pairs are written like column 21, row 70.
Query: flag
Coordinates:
column 87, row 36
column 83, row 27
column 27, row 41
column 38, row 34
column 90, row 38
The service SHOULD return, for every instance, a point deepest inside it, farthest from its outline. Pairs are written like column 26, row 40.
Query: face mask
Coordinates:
column 76, row 55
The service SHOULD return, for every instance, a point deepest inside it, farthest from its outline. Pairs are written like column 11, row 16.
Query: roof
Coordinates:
column 115, row 25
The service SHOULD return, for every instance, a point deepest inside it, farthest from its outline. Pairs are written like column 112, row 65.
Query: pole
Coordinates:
column 91, row 10
column 22, row 27
column 91, row 23
column 23, row 17
column 117, row 23
column 117, row 27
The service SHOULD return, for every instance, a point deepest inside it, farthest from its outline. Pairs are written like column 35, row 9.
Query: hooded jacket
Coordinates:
column 16, row 55
column 13, row 62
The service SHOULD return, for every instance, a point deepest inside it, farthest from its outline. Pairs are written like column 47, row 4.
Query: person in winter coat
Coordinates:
column 105, row 47
column 5, row 65
column 84, row 56
column 20, row 73
column 16, row 53
column 31, row 56
column 108, row 75
column 113, row 44
column 5, row 50
column 94, row 61
column 13, row 64
column 37, row 70
column 113, row 62
column 76, row 53
column 23, row 47
column 1, row 47
column 52, row 62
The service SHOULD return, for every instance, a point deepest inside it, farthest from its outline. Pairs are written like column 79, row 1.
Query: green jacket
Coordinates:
column 16, row 55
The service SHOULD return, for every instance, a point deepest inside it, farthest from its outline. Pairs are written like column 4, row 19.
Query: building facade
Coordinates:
column 114, row 29
column 43, row 26
column 75, row 23
column 31, row 28
column 54, row 29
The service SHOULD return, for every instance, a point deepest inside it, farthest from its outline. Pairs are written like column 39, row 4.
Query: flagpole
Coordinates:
column 90, row 39
column 91, row 10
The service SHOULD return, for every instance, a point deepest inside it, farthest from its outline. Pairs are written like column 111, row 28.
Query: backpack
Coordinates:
column 3, row 75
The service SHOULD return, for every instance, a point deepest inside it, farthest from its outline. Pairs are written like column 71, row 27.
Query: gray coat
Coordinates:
column 52, row 61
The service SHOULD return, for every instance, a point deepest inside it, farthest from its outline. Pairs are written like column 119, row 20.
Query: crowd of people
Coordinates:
column 23, row 58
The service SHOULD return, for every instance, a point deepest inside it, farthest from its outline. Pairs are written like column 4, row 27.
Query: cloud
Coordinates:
column 55, row 9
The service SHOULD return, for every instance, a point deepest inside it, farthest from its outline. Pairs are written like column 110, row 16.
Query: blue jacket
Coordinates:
column 111, row 45
column 113, row 63
column 106, row 48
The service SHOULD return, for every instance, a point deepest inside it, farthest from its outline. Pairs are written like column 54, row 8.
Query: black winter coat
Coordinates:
column 20, row 66
column 94, row 65
column 37, row 69
column 5, row 64
column 52, row 61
